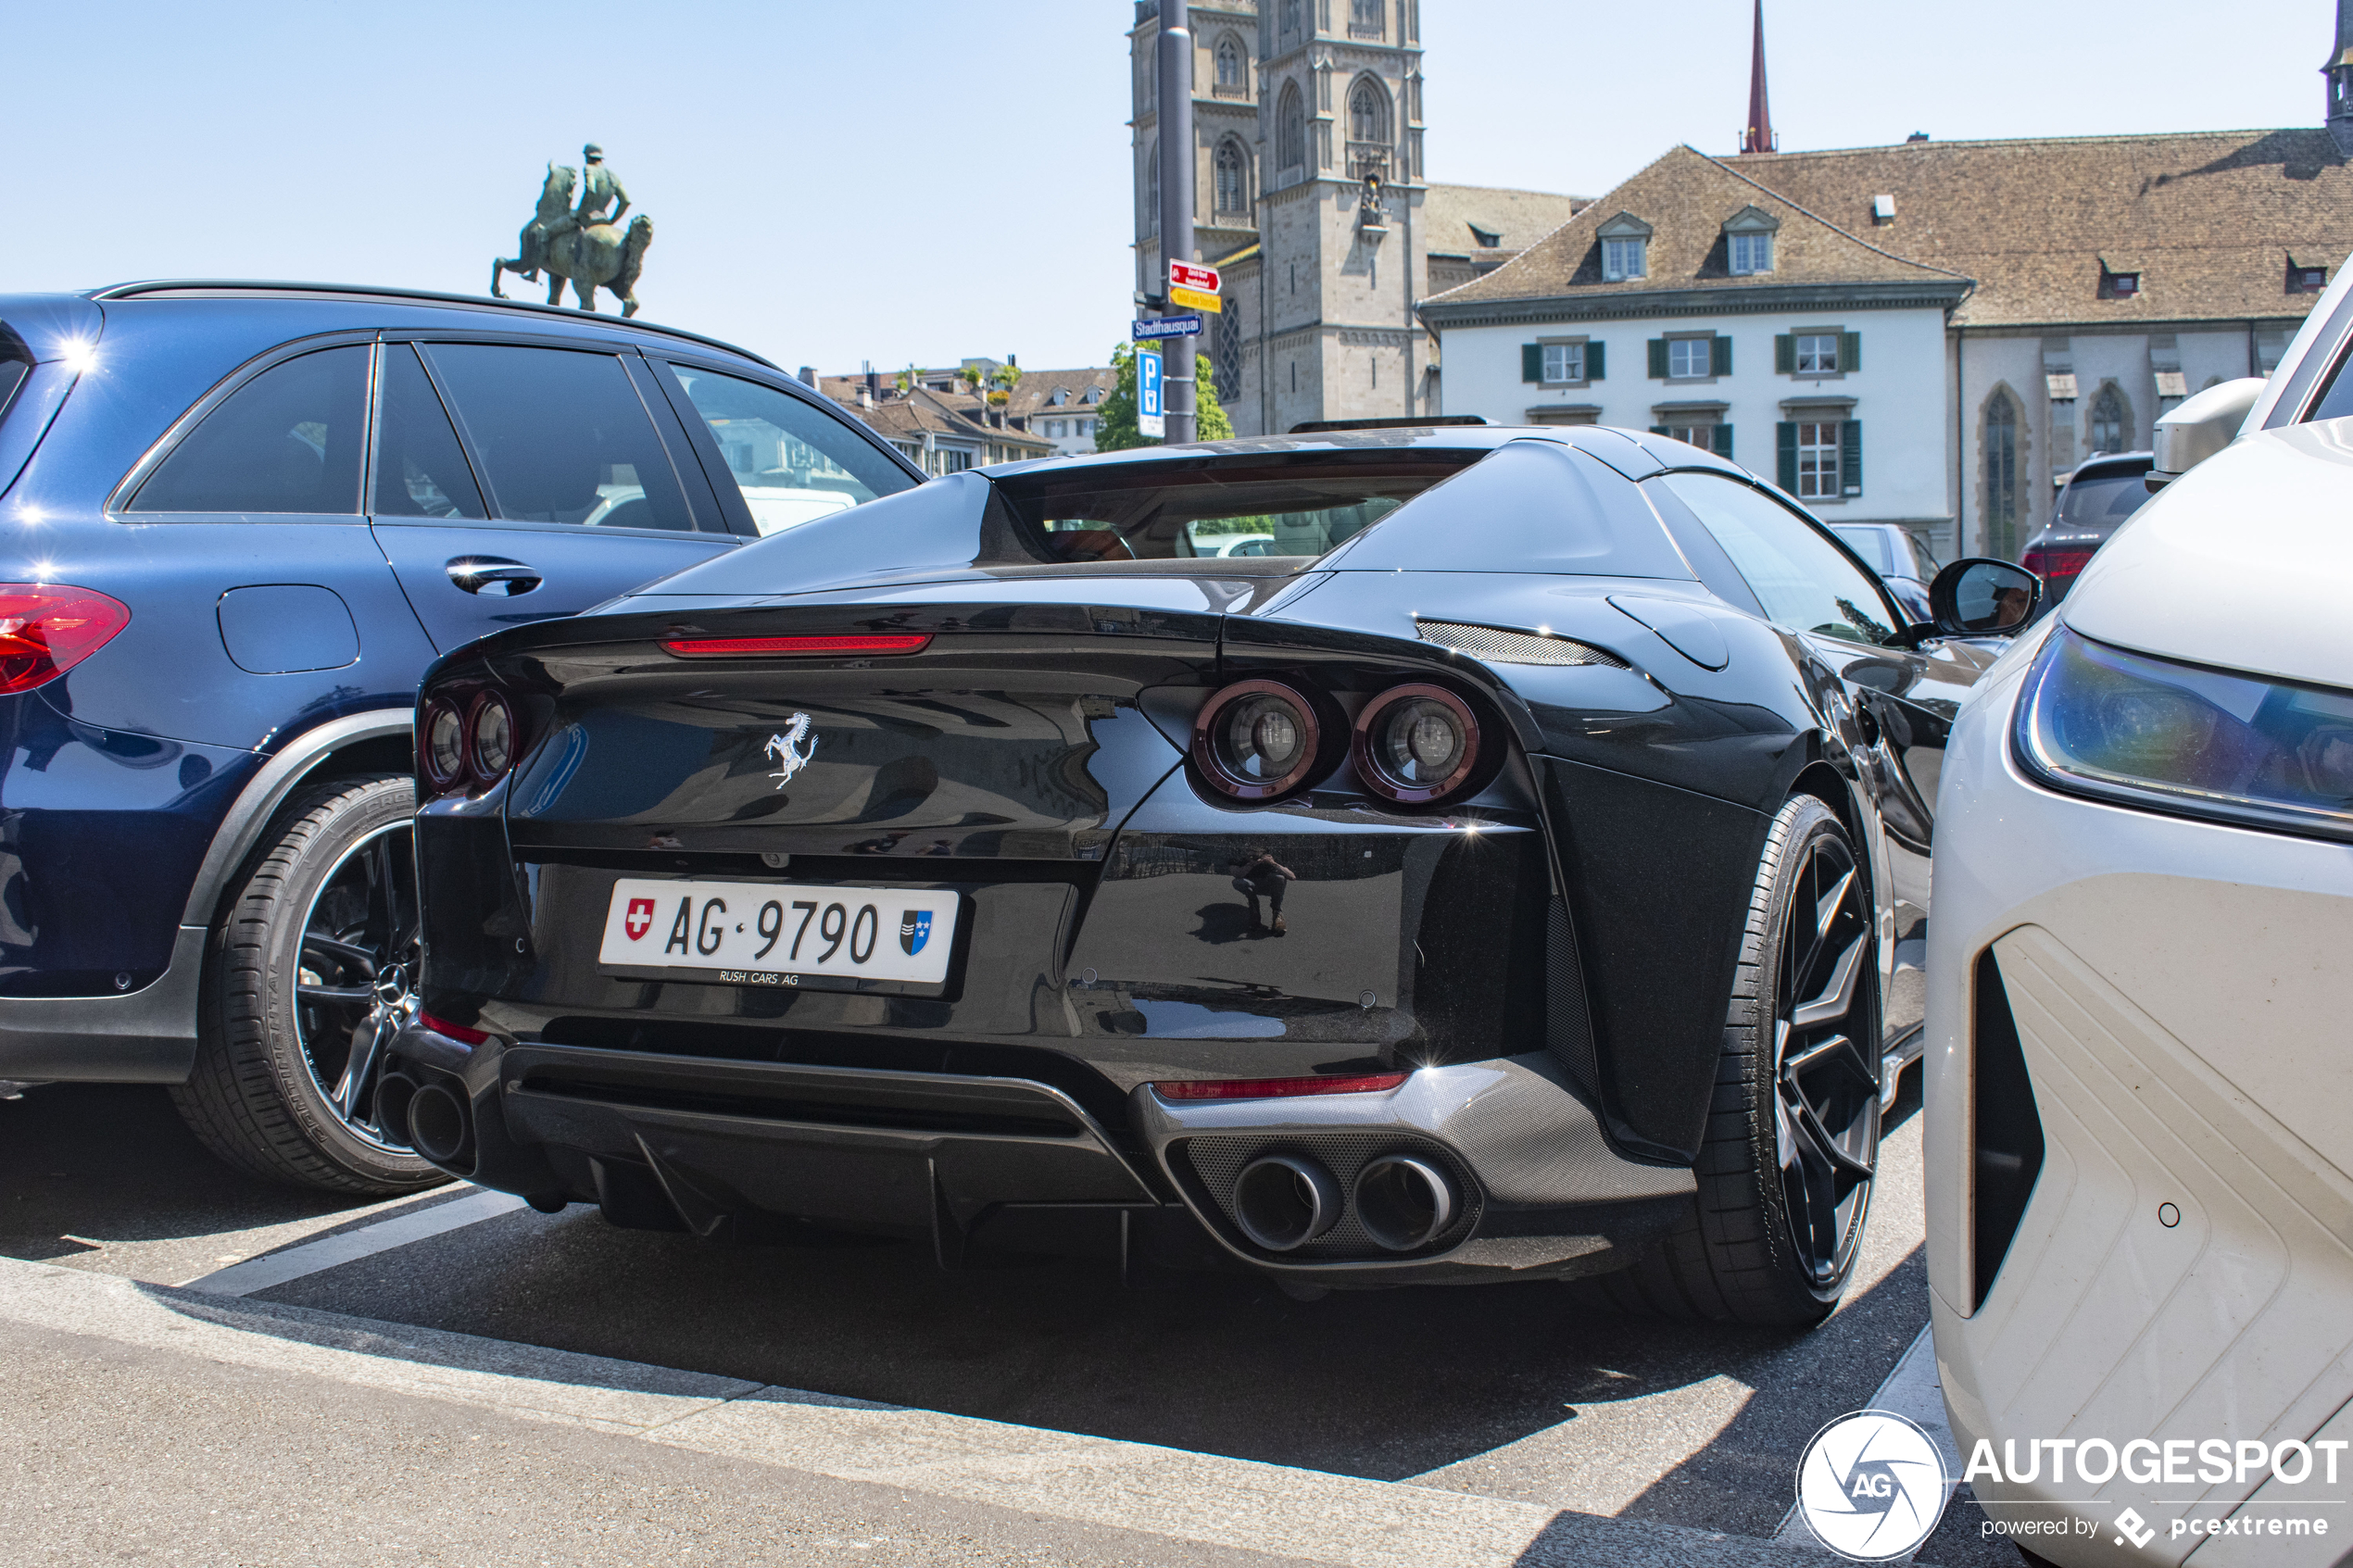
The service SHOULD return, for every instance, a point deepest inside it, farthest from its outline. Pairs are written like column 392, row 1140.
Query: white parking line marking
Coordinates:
column 260, row 1273
column 1912, row 1390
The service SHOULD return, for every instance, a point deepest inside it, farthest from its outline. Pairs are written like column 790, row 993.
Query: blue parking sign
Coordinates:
column 1150, row 417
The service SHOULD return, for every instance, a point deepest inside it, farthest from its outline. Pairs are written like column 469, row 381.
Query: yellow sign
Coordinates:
column 1193, row 299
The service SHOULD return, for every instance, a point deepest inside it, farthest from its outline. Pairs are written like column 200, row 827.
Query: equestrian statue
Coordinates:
column 582, row 244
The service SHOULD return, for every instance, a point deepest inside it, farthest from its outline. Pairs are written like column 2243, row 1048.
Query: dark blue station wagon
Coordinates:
column 237, row 521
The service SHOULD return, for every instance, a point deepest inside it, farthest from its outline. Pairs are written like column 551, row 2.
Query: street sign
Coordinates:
column 1184, row 275
column 1150, row 419
column 1167, row 326
column 1193, row 299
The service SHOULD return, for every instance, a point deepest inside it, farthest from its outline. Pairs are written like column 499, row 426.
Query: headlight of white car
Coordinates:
column 2099, row 721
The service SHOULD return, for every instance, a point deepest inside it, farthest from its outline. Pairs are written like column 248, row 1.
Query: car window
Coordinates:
column 2106, row 498
column 793, row 462
column 563, row 437
column 1872, row 544
column 1924, row 561
column 419, row 469
column 287, row 441
column 1800, row 577
column 1187, row 510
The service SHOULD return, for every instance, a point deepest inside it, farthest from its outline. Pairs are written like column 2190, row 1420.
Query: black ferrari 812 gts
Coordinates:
column 1512, row 874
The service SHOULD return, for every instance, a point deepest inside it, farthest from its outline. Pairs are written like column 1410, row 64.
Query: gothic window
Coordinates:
column 2001, row 477
column 1229, row 356
column 1290, row 130
column 2110, row 422
column 1368, row 113
column 1233, row 178
column 1290, row 22
column 1364, row 19
column 1230, row 64
column 1151, row 189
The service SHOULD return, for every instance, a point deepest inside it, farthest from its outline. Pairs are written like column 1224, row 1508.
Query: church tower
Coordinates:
column 1309, row 186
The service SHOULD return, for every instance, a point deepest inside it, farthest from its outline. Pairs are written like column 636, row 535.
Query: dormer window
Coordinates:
column 1748, row 242
column 1625, row 248
column 2116, row 285
column 1488, row 238
column 1060, row 397
column 2302, row 279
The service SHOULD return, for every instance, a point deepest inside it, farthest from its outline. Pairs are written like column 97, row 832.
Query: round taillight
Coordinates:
column 490, row 738
column 1415, row 744
column 1256, row 739
column 444, row 750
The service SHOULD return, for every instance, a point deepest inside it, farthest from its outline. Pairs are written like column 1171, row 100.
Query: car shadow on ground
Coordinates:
column 1386, row 1383
column 87, row 1165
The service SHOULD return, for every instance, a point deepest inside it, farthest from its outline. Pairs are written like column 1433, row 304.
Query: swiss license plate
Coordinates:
column 773, row 934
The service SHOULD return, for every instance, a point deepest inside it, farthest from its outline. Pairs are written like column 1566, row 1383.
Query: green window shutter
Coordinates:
column 1658, row 430
column 1723, row 440
column 1850, row 458
column 1850, row 351
column 1786, row 432
column 1720, row 355
column 1532, row 361
column 1593, row 361
column 1785, row 354
column 1658, row 358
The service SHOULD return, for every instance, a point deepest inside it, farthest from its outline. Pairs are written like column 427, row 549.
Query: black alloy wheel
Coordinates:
column 310, row 974
column 1792, row 1133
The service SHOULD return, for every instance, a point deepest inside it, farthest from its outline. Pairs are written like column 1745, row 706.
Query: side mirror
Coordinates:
column 2202, row 426
column 1980, row 597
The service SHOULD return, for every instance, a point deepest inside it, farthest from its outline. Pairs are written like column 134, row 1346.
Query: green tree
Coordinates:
column 1116, row 424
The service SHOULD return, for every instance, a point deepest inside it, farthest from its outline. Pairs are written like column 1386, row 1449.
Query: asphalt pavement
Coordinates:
column 1513, row 1421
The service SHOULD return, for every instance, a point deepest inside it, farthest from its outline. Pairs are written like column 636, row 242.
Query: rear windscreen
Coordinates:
column 1293, row 506
column 16, row 363
column 2107, row 498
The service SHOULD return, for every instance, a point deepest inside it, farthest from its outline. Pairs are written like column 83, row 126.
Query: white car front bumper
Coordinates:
column 2184, row 1266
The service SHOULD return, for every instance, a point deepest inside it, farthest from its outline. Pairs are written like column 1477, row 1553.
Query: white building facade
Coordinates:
column 1907, row 335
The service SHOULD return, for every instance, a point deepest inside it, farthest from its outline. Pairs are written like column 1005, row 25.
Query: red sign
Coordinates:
column 640, row 918
column 1184, row 275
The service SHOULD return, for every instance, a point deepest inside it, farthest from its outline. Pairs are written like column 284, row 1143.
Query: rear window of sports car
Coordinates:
column 1287, row 507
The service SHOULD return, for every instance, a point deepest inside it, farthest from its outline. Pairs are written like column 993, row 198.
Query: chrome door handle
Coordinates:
column 492, row 574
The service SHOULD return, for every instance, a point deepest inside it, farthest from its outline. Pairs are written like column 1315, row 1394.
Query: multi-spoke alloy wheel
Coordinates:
column 311, row 972
column 1792, row 1131
column 354, row 988
column 1826, row 1108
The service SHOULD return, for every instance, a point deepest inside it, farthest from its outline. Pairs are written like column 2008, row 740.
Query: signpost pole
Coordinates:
column 1176, row 63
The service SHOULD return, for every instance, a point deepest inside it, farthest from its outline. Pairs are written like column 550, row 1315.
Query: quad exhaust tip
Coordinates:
column 1284, row 1201
column 1404, row 1202
column 438, row 1126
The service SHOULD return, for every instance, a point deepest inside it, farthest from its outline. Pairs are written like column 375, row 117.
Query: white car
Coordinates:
column 2139, row 1064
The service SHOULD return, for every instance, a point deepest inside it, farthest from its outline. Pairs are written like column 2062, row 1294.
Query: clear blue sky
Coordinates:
column 834, row 181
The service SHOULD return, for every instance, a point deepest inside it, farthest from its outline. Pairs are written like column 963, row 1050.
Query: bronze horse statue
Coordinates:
column 599, row 256
column 555, row 204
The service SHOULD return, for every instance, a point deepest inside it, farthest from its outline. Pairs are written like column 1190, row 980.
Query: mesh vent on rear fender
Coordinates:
column 1209, row 1166
column 2005, row 1132
column 1512, row 647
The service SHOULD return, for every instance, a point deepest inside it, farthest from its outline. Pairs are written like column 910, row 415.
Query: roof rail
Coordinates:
column 187, row 286
column 1313, row 427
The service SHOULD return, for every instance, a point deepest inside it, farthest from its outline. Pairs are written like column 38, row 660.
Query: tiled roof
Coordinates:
column 2207, row 219
column 1686, row 196
column 1036, row 386
column 1519, row 218
column 909, row 416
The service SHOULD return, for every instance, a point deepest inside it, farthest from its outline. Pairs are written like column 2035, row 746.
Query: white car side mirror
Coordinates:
column 2202, row 426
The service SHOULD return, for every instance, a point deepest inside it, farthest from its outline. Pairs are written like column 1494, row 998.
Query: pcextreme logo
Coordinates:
column 2174, row 1462
column 1871, row 1485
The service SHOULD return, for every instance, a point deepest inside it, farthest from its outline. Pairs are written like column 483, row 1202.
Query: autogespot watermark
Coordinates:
column 2147, row 1462
column 1871, row 1485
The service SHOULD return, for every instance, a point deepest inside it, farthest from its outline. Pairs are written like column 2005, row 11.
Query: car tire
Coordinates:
column 1793, row 1129
column 320, row 920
